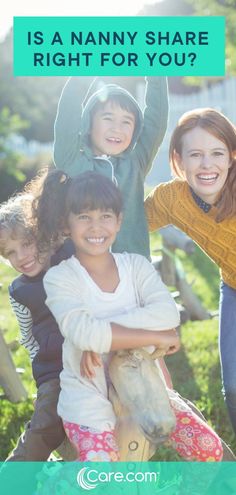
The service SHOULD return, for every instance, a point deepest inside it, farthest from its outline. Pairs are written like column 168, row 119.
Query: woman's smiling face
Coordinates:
column 205, row 161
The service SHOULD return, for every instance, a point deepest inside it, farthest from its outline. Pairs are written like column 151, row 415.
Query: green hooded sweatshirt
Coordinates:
column 73, row 153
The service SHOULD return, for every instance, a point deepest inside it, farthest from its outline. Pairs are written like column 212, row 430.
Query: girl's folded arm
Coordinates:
column 156, row 307
column 66, row 299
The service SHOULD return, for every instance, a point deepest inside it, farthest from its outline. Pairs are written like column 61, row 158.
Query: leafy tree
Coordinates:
column 10, row 170
column 226, row 8
column 33, row 98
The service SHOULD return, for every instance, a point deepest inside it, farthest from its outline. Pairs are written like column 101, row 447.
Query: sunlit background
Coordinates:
column 28, row 98
column 68, row 8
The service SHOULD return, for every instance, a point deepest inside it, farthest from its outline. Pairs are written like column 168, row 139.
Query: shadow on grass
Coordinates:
column 182, row 375
column 205, row 277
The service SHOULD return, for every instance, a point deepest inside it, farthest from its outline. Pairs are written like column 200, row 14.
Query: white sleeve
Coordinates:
column 157, row 309
column 66, row 299
column 24, row 318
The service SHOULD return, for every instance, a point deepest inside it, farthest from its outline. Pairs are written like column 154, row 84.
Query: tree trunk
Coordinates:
column 9, row 379
column 191, row 301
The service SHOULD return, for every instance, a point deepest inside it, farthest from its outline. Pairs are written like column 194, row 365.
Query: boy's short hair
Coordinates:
column 15, row 219
column 120, row 100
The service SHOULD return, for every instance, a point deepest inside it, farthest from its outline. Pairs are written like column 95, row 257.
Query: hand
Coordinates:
column 168, row 341
column 89, row 360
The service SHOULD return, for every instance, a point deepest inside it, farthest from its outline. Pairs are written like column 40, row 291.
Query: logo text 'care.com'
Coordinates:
column 88, row 479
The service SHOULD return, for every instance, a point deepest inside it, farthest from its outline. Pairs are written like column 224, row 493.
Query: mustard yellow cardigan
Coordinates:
column 172, row 203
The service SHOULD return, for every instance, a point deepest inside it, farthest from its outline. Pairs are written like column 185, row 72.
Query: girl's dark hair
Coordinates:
column 58, row 195
column 219, row 126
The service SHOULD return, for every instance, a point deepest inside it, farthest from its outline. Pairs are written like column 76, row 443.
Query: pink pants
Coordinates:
column 192, row 438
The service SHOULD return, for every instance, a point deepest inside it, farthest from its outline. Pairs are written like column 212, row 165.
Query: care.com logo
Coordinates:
column 88, row 479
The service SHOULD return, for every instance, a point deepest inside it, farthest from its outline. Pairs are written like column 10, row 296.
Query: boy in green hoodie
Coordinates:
column 110, row 135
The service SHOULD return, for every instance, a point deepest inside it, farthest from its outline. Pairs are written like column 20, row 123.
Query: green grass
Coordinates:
column 13, row 416
column 195, row 369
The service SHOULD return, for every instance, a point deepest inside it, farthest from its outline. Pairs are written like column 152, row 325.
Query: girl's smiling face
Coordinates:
column 205, row 161
column 93, row 231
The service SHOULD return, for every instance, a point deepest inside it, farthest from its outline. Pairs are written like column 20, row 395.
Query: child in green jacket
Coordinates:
column 110, row 135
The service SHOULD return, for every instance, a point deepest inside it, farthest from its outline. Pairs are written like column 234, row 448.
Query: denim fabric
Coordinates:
column 227, row 344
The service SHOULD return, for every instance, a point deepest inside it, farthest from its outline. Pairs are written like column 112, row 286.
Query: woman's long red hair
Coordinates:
column 219, row 126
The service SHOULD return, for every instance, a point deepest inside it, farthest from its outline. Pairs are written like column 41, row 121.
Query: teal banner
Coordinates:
column 119, row 46
column 145, row 478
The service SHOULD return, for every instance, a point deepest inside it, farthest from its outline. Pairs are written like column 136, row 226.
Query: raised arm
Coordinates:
column 68, row 121
column 155, row 122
